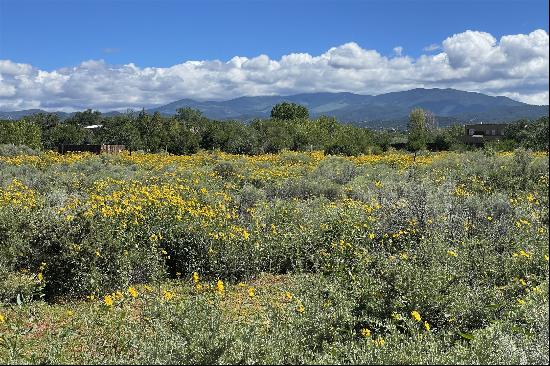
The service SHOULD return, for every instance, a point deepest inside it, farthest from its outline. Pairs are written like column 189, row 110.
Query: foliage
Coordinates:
column 20, row 133
column 418, row 130
column 289, row 111
column 297, row 257
column 188, row 131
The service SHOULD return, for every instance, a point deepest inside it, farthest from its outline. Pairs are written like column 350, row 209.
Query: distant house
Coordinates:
column 96, row 149
column 93, row 127
column 483, row 132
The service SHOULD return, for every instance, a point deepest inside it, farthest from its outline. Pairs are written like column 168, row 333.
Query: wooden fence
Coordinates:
column 96, row 149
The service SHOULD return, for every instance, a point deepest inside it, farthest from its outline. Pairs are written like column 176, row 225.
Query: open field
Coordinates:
column 286, row 258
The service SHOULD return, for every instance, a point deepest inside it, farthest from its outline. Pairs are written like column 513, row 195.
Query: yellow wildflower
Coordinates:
column 251, row 292
column 452, row 253
column 366, row 332
column 40, row 276
column 220, row 287
column 108, row 300
column 133, row 292
column 521, row 301
column 287, row 296
column 416, row 315
column 2, row 318
column 168, row 295
column 300, row 308
column 195, row 277
column 396, row 316
column 427, row 326
column 379, row 341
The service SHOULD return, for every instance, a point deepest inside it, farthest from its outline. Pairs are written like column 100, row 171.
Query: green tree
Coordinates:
column 539, row 134
column 68, row 134
column 121, row 130
column 189, row 116
column 273, row 135
column 349, row 140
column 529, row 134
column 20, row 132
column 230, row 136
column 86, row 118
column 289, row 111
column 417, row 131
column 181, row 140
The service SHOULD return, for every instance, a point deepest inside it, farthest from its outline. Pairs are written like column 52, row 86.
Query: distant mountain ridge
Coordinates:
column 384, row 110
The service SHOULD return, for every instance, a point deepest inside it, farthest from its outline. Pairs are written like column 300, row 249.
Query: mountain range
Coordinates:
column 450, row 106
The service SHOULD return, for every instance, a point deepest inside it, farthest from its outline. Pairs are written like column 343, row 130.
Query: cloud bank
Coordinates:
column 515, row 66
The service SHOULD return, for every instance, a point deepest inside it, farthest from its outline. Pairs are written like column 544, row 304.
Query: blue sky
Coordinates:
column 117, row 54
column 50, row 34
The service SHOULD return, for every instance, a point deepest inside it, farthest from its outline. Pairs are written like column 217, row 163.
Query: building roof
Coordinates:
column 487, row 125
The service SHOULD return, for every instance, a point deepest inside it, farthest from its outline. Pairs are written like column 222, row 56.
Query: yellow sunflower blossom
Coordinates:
column 220, row 288
column 108, row 300
column 168, row 295
column 365, row 332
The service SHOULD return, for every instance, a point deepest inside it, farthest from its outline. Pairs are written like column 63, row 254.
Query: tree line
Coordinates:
column 289, row 127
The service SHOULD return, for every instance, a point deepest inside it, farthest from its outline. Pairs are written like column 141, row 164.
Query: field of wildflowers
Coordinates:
column 286, row 258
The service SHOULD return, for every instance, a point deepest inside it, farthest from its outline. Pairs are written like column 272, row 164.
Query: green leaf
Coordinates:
column 468, row 336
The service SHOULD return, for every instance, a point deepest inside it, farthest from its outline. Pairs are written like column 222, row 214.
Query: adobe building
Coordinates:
column 483, row 132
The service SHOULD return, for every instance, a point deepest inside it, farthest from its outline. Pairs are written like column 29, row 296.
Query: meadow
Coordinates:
column 295, row 257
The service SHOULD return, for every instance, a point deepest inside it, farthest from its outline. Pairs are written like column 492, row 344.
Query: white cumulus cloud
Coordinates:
column 514, row 65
